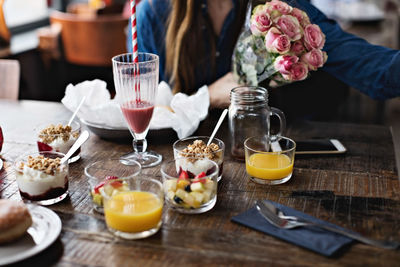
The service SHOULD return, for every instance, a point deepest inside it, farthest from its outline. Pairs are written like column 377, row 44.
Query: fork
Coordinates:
column 277, row 218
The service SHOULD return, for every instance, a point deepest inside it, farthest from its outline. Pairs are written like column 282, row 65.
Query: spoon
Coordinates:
column 76, row 111
column 221, row 119
column 277, row 218
column 81, row 139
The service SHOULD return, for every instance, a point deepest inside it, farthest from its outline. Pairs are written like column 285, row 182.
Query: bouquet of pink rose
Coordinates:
column 280, row 44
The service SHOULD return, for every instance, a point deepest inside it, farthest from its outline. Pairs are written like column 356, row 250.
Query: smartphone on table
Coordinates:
column 320, row 146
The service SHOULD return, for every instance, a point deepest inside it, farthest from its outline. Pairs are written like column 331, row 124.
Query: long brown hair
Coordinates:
column 184, row 44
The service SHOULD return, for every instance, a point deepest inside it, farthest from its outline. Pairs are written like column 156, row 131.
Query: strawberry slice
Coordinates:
column 198, row 178
column 108, row 178
column 43, row 147
column 183, row 175
column 1, row 139
column 97, row 187
column 115, row 184
column 200, row 175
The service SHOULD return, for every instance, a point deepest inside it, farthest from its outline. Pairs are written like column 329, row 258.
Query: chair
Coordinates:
column 9, row 78
column 91, row 41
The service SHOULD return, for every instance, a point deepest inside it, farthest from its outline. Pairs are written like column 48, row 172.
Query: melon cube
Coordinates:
column 207, row 195
column 170, row 185
column 189, row 199
column 197, row 187
column 209, row 185
column 181, row 194
column 198, row 197
column 170, row 194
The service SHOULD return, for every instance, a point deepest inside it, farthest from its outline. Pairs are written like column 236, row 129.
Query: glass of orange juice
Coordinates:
column 135, row 213
column 269, row 159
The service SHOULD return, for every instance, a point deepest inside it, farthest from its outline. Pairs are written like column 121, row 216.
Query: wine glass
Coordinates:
column 136, row 86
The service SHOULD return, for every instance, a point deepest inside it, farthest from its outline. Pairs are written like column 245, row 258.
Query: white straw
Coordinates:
column 221, row 119
column 76, row 111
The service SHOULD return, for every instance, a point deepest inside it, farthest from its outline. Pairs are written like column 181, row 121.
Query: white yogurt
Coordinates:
column 62, row 146
column 200, row 165
column 35, row 182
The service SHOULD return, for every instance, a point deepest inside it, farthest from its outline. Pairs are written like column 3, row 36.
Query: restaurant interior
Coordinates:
column 58, row 42
column 48, row 45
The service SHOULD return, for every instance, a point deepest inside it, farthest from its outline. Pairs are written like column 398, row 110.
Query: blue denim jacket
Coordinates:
column 374, row 70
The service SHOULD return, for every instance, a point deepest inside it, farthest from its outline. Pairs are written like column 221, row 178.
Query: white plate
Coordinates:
column 108, row 132
column 45, row 229
column 115, row 133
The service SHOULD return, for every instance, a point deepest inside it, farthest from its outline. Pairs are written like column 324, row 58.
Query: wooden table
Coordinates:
column 359, row 191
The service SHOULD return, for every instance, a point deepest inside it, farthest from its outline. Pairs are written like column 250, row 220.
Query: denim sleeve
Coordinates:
column 150, row 21
column 372, row 69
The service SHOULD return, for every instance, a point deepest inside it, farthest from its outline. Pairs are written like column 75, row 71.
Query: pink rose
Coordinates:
column 297, row 48
column 276, row 42
column 301, row 16
column 313, row 37
column 290, row 26
column 260, row 23
column 283, row 64
column 279, row 6
column 298, row 72
column 314, row 59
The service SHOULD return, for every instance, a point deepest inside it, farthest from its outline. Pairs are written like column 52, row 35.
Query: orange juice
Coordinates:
column 133, row 211
column 269, row 166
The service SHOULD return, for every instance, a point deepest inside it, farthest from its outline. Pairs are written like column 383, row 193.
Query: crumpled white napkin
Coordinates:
column 99, row 108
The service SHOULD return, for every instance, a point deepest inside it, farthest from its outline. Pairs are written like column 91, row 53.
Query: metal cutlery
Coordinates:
column 277, row 218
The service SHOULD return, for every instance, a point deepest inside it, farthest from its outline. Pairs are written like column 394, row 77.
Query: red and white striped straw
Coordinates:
column 135, row 50
column 134, row 32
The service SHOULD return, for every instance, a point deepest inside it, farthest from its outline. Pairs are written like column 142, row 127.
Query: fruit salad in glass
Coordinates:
column 110, row 189
column 101, row 176
column 189, row 192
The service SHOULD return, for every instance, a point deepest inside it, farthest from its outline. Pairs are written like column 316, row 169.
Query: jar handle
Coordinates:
column 282, row 119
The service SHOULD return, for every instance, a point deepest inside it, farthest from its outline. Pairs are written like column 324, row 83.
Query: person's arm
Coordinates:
column 372, row 69
column 219, row 91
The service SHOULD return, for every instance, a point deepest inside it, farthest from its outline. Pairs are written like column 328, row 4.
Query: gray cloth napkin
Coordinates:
column 318, row 240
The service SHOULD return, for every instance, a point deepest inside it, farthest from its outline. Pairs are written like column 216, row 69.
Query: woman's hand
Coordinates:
column 219, row 91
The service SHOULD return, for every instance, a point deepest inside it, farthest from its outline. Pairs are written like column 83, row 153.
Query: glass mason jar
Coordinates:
column 249, row 115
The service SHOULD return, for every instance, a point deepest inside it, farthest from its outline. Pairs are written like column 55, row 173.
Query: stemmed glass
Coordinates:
column 136, row 86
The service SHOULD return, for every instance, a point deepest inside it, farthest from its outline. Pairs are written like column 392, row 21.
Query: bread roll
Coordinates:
column 15, row 219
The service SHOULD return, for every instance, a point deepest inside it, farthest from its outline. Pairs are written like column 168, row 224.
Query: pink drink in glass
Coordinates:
column 138, row 115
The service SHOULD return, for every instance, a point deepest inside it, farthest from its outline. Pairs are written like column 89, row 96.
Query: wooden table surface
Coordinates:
column 359, row 191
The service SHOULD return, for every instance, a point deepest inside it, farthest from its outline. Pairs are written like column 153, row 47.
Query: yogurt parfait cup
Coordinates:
column 58, row 137
column 100, row 172
column 196, row 148
column 42, row 178
column 191, row 194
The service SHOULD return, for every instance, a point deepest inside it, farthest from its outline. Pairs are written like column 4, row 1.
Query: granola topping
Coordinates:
column 199, row 150
column 40, row 163
column 52, row 132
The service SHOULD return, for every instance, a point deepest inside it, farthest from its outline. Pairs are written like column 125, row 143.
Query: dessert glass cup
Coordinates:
column 42, row 188
column 269, row 160
column 190, row 195
column 97, row 172
column 59, row 144
column 181, row 144
column 136, row 213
